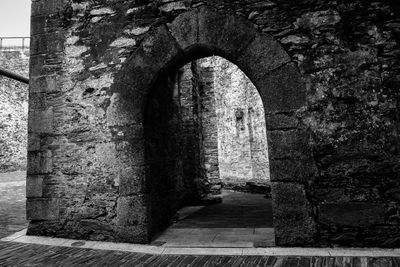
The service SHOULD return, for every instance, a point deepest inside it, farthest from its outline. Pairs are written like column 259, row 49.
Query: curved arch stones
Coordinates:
column 204, row 32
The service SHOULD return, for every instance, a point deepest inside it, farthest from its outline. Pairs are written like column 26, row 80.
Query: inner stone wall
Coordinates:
column 242, row 138
column 13, row 111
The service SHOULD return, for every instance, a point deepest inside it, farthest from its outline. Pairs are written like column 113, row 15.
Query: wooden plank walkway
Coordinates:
column 18, row 254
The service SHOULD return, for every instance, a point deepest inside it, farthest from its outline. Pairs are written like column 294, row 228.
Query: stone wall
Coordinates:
column 242, row 139
column 334, row 159
column 13, row 112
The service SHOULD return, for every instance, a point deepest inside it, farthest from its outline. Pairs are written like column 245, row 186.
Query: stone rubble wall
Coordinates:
column 13, row 111
column 348, row 54
column 242, row 139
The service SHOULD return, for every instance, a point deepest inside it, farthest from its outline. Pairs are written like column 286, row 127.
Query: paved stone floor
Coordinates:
column 241, row 220
column 12, row 203
column 18, row 254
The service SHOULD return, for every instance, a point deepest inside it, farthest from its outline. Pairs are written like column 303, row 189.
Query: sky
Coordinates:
column 15, row 18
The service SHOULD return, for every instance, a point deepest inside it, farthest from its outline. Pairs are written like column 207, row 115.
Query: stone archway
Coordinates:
column 192, row 35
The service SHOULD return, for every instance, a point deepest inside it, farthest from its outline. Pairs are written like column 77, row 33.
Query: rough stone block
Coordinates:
column 185, row 29
column 228, row 34
column 47, row 43
column 352, row 214
column 136, row 234
column 42, row 209
column 46, row 7
column 293, row 218
column 288, row 144
column 280, row 121
column 282, row 90
column 263, row 55
column 132, row 211
column 132, row 181
column 131, row 152
column 33, row 142
column 124, row 111
column 288, row 194
column 36, row 64
column 41, row 121
column 40, row 162
column 294, row 170
column 34, row 186
column 37, row 101
column 38, row 25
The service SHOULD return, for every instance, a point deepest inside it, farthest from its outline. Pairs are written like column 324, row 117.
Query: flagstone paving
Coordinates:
column 18, row 254
column 241, row 220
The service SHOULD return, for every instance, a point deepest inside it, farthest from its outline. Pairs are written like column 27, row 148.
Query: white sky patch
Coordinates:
column 15, row 18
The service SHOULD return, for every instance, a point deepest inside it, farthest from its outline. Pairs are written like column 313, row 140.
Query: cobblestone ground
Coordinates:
column 12, row 203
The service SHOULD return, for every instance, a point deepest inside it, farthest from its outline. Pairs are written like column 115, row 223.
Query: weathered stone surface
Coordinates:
column 40, row 162
column 288, row 144
column 263, row 53
column 46, row 7
column 42, row 209
column 184, row 29
column 293, row 219
column 281, row 121
column 351, row 214
column 226, row 34
column 44, row 43
column 41, row 121
column 282, row 89
column 293, row 170
column 132, row 211
column 34, row 186
column 132, row 181
column 44, row 84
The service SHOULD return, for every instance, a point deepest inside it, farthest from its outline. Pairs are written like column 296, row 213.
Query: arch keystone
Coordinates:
column 226, row 33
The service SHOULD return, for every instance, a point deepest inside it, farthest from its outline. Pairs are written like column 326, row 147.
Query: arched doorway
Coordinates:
column 192, row 35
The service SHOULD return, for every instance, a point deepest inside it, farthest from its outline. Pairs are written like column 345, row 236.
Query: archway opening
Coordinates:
column 207, row 171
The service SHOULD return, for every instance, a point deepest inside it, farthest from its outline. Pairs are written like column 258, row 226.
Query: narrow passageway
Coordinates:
column 241, row 220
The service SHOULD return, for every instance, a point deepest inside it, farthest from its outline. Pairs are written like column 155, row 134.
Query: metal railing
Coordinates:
column 13, row 76
column 14, row 43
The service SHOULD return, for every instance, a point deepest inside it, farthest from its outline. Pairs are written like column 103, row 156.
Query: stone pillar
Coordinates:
column 257, row 132
column 195, row 182
column 209, row 126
